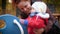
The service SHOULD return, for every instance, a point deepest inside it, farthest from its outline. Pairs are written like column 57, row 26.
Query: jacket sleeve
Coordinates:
column 35, row 22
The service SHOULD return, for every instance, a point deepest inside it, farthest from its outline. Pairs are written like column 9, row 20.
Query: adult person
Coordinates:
column 36, row 26
column 48, row 12
column 33, row 22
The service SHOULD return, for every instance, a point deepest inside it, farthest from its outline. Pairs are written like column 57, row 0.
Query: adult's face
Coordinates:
column 24, row 6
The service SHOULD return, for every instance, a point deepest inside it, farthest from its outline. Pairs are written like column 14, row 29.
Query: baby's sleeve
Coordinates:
column 36, row 23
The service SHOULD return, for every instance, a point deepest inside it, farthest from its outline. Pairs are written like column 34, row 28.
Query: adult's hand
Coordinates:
column 39, row 31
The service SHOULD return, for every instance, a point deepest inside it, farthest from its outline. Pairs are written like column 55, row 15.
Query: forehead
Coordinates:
column 23, row 3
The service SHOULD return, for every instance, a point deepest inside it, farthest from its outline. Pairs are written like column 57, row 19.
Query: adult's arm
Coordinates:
column 51, row 16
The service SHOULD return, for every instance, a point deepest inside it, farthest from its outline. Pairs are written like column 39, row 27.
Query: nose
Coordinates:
column 25, row 9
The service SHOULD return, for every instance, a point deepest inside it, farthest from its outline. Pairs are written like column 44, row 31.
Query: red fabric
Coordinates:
column 34, row 22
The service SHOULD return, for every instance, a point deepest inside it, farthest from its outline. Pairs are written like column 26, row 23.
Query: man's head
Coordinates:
column 24, row 6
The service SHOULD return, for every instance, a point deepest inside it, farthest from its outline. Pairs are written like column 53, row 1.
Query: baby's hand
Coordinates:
column 22, row 21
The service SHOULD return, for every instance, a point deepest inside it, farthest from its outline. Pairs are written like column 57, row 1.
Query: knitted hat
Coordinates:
column 40, row 6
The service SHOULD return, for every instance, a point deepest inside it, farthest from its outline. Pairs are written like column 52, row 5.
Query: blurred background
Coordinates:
column 54, row 6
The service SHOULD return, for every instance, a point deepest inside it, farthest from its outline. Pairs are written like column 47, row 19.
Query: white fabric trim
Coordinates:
column 46, row 15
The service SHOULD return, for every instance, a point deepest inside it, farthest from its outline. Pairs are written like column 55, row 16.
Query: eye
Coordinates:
column 22, row 8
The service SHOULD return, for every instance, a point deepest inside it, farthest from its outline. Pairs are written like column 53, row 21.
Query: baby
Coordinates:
column 40, row 8
column 35, row 22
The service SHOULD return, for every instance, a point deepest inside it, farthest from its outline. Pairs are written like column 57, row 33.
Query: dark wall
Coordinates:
column 35, row 0
column 3, row 6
